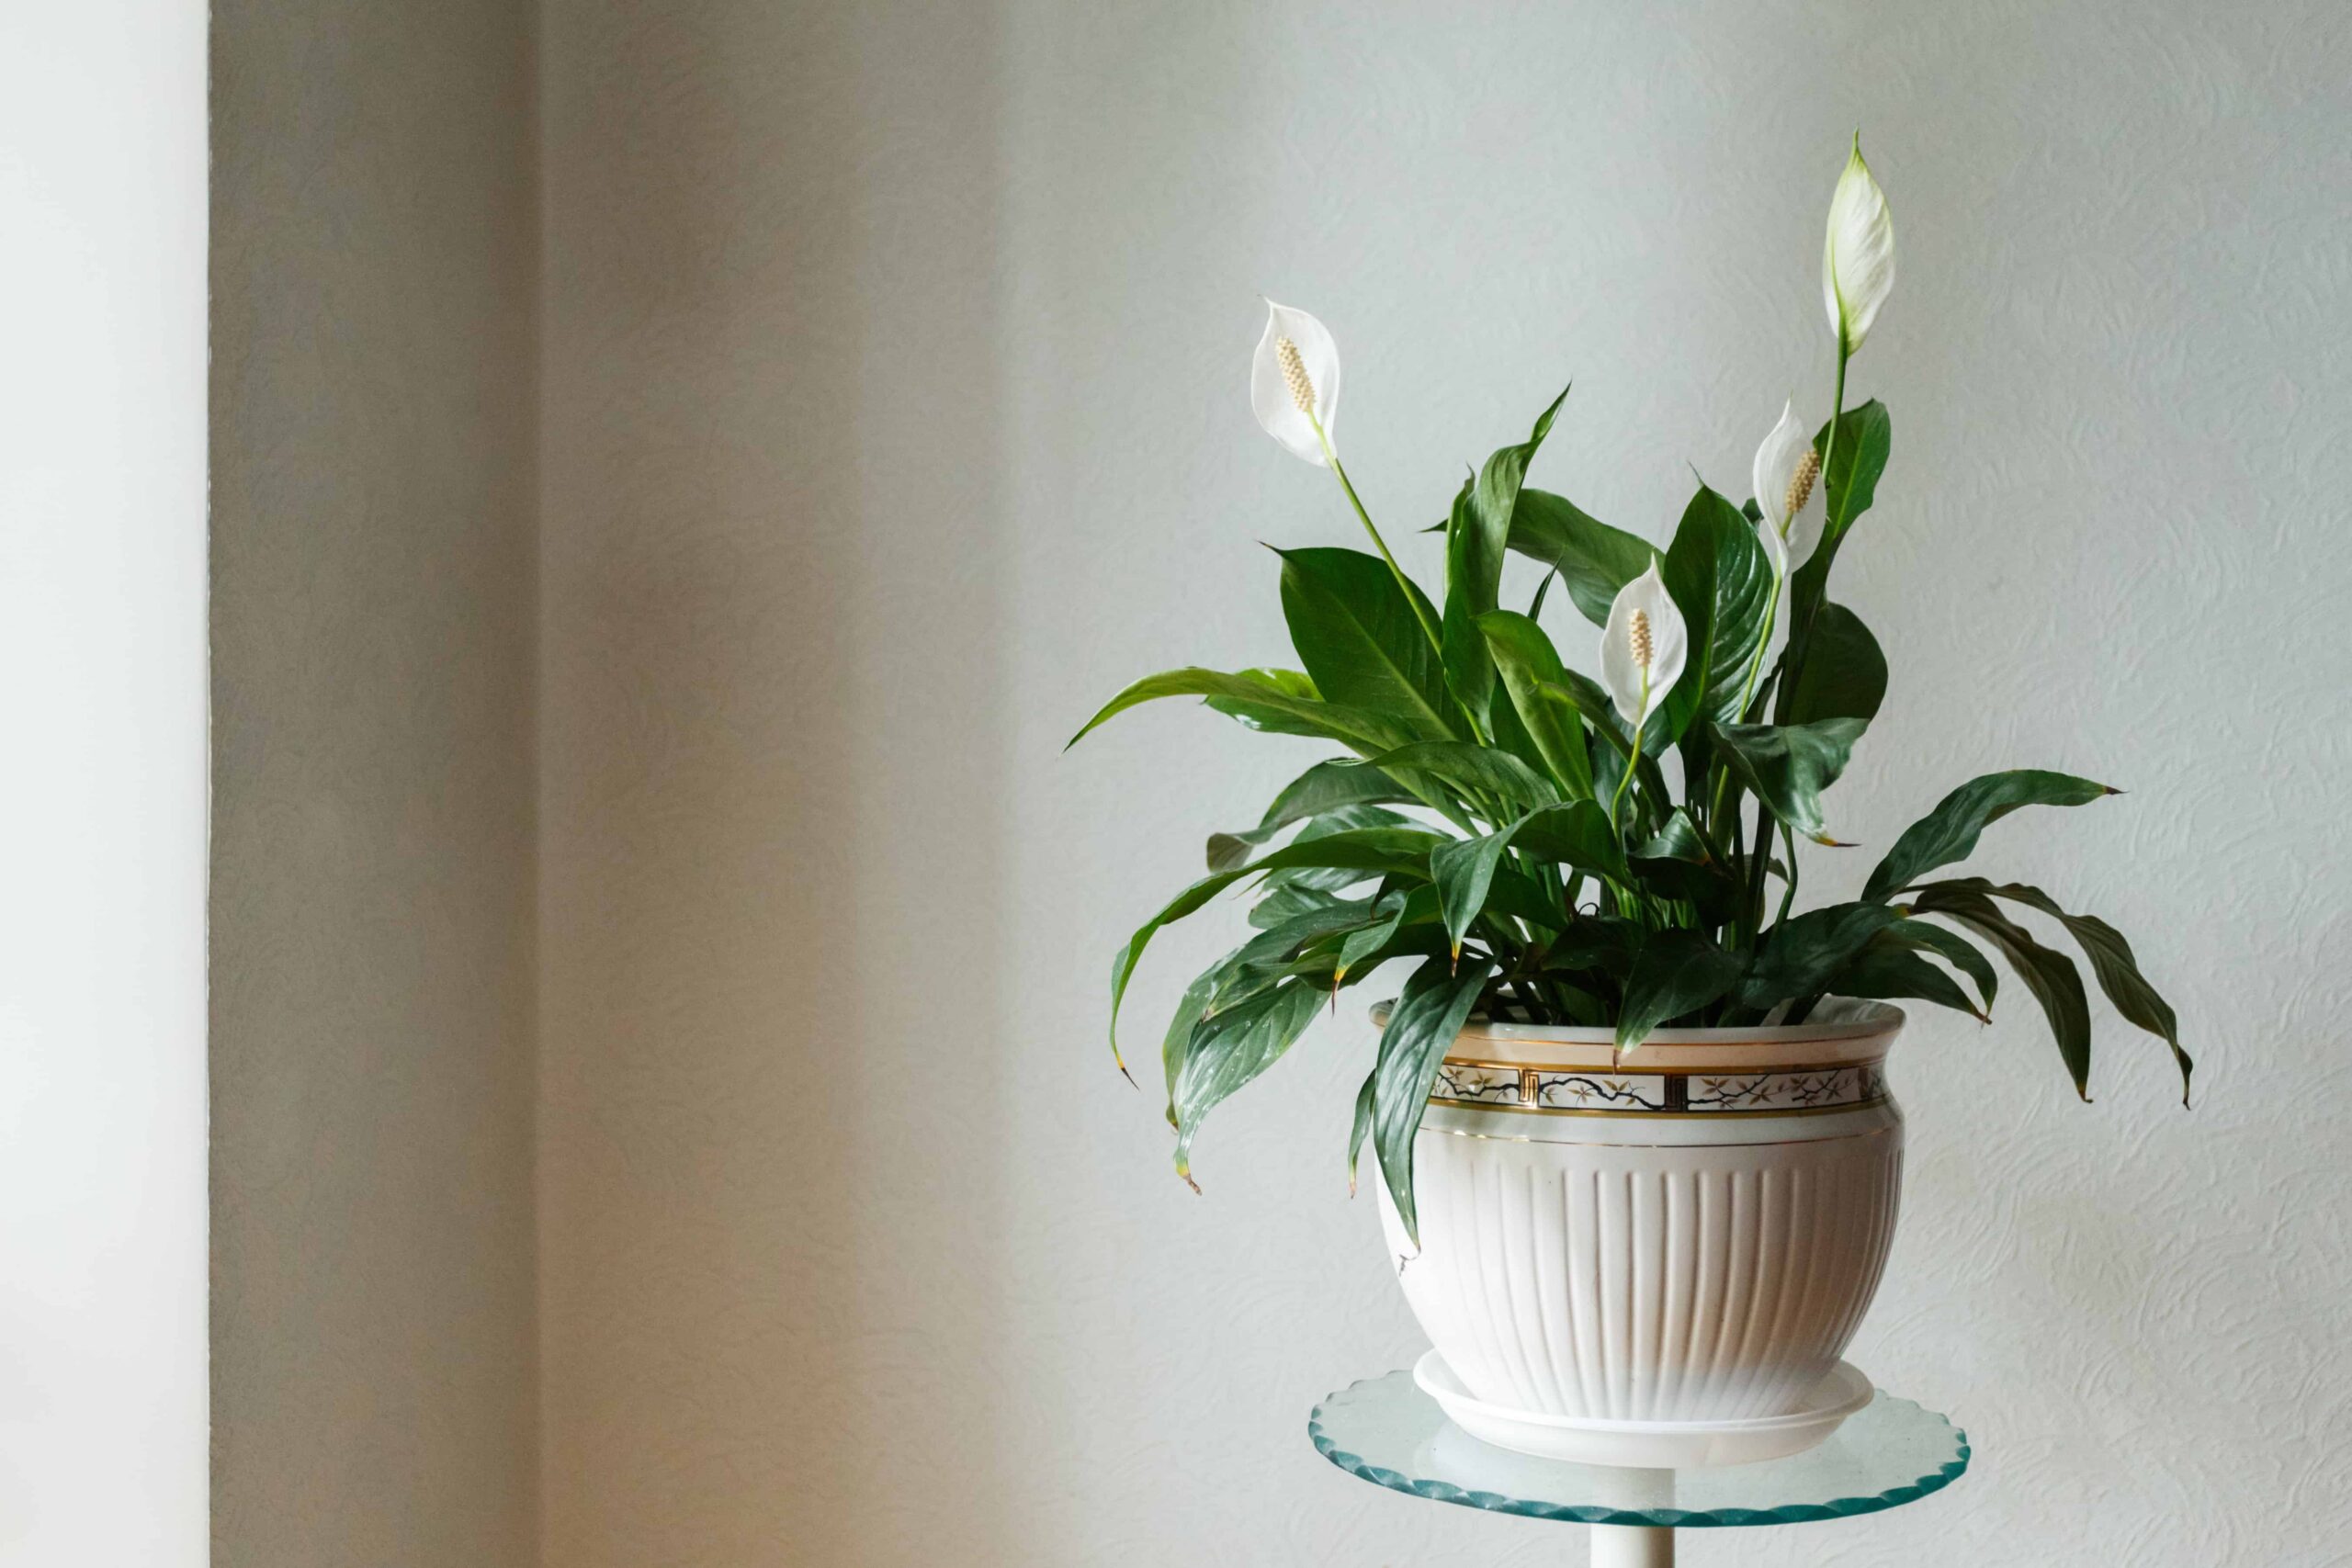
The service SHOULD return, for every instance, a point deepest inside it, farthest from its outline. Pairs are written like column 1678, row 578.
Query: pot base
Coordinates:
column 1648, row 1445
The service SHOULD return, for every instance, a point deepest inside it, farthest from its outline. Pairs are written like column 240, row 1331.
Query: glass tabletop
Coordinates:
column 1390, row 1433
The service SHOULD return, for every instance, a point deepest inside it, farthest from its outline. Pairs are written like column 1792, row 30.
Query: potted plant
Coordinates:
column 1638, row 1155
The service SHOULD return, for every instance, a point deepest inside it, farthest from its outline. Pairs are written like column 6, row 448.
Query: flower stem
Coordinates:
column 1412, row 599
column 1634, row 760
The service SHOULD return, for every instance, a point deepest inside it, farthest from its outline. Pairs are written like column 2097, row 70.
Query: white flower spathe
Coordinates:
column 1636, row 687
column 1277, row 391
column 1789, row 540
column 1857, row 258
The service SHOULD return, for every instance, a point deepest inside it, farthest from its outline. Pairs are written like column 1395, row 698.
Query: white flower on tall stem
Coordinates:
column 1294, row 382
column 1642, row 647
column 1858, row 257
column 1785, row 471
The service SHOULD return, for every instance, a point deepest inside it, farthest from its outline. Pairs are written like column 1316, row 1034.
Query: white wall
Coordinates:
column 102, row 1210
column 375, row 275
column 894, row 416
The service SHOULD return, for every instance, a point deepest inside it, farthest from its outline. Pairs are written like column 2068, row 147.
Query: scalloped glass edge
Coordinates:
column 1675, row 1519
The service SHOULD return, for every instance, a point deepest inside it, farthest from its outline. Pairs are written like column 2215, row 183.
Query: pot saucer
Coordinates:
column 1648, row 1445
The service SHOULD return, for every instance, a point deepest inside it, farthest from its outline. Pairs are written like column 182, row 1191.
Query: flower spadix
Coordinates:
column 1642, row 647
column 1858, row 259
column 1786, row 470
column 1295, row 381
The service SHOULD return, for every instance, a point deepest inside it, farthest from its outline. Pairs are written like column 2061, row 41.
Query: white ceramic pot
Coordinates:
column 1689, row 1234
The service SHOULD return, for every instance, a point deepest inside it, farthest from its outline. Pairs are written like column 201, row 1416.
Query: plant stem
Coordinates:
column 1801, row 626
column 1634, row 760
column 1404, row 587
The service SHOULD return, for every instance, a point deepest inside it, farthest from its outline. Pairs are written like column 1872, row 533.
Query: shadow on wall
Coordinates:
column 771, row 684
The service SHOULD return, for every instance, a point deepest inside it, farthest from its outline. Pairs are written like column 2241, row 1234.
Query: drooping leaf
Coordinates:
column 1257, row 692
column 1477, row 539
column 1398, row 850
column 1591, row 559
column 1722, row 581
column 1675, row 972
column 1254, row 713
column 1396, row 911
column 1436, row 1003
column 1604, row 943
column 2112, row 964
column 1229, row 1048
column 1799, row 955
column 1324, row 787
column 1338, row 819
column 2051, row 975
column 1361, row 639
column 1529, row 663
column 1845, row 671
column 1949, row 833
column 1955, row 949
column 1787, row 766
column 1888, row 967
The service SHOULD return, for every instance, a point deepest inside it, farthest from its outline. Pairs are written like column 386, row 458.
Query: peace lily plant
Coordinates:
column 1546, row 847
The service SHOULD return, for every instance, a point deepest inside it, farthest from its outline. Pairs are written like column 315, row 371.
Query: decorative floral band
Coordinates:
column 1477, row 1084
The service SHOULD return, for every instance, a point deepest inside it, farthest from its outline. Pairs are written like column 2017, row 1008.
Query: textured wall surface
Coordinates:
column 374, row 283
column 895, row 415
column 102, row 918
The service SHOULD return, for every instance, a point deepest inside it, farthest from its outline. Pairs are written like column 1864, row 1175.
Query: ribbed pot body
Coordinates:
column 1691, row 1231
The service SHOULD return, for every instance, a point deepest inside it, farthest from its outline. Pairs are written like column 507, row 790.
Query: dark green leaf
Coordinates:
column 1954, row 949
column 1591, row 559
column 1480, row 771
column 2051, row 975
column 1675, row 972
column 1464, row 870
column 1326, row 786
column 1477, row 539
column 1949, row 832
column 1273, row 694
column 1396, row 911
column 1845, row 672
column 1437, row 1002
column 1787, row 766
column 1722, row 581
column 1360, row 641
column 1676, row 863
column 1888, row 967
column 1799, row 955
column 1231, row 1047
column 1865, row 435
column 1530, row 664
column 1398, row 850
column 2112, row 964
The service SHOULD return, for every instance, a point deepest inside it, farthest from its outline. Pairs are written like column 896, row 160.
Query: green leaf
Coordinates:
column 1845, row 672
column 2112, row 964
column 1436, row 1003
column 1676, row 863
column 1396, row 850
column 1887, row 967
column 1324, row 787
column 1787, row 766
column 1230, row 1048
column 1722, row 581
column 1949, row 832
column 1464, row 869
column 1529, row 663
column 1360, row 637
column 1593, row 559
column 2051, row 975
column 1477, row 539
column 1799, row 955
column 1396, row 911
column 1276, row 695
column 1479, row 771
column 1865, row 435
column 1675, row 972
column 1955, row 949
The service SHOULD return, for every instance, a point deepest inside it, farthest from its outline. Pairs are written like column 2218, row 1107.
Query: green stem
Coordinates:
column 1634, row 759
column 1413, row 599
column 1801, row 626
column 1429, row 629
